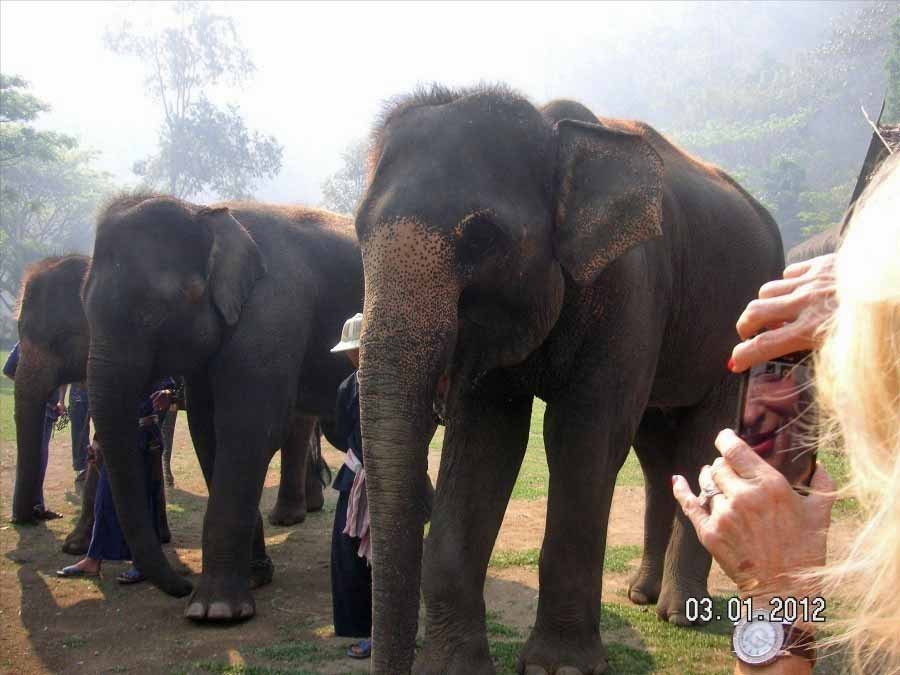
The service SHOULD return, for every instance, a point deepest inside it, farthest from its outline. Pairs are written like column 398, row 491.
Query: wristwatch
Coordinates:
column 758, row 641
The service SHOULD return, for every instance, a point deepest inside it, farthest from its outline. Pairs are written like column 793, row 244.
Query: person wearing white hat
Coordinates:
column 351, row 576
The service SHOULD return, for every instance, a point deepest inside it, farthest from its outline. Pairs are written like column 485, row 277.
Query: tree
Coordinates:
column 202, row 146
column 343, row 190
column 892, row 98
column 49, row 191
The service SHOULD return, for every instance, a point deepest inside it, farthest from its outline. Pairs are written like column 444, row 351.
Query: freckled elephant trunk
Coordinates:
column 36, row 376
column 399, row 369
column 116, row 379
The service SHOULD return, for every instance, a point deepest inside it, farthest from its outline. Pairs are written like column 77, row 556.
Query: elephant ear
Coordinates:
column 234, row 264
column 609, row 196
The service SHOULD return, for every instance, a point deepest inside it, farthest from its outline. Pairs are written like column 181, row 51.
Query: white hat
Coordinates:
column 350, row 334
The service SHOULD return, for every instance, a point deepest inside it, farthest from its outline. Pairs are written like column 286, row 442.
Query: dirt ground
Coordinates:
column 56, row 625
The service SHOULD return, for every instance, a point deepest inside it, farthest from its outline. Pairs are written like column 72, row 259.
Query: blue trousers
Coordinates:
column 351, row 580
column 107, row 540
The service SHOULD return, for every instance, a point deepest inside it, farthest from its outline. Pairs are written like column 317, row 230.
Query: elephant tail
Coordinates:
column 323, row 471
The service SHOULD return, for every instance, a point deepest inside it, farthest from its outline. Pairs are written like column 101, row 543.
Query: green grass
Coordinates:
column 838, row 467
column 301, row 651
column 618, row 558
column 533, row 481
column 637, row 642
column 7, row 425
column 496, row 628
column 73, row 641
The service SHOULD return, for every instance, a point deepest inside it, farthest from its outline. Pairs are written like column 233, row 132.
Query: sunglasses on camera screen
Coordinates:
column 776, row 416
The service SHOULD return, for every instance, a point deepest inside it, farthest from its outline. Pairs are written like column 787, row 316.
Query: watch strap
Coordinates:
column 799, row 642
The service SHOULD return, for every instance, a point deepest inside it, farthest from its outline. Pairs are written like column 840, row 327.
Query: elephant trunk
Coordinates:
column 115, row 385
column 36, row 377
column 399, row 369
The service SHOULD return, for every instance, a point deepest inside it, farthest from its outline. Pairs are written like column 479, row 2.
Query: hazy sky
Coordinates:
column 323, row 70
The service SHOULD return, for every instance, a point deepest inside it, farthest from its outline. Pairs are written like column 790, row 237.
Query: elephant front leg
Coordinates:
column 482, row 453
column 291, row 505
column 233, row 543
column 585, row 454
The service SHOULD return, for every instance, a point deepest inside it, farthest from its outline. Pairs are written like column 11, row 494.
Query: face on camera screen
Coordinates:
column 776, row 420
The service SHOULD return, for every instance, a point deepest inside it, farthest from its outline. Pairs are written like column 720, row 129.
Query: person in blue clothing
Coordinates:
column 79, row 420
column 53, row 409
column 107, row 540
column 351, row 576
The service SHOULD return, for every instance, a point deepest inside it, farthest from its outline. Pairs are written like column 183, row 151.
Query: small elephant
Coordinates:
column 244, row 300
column 513, row 252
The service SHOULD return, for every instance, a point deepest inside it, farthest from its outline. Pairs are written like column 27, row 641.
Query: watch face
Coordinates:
column 758, row 642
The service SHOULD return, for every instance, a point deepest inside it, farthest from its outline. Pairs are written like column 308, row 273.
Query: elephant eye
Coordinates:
column 478, row 237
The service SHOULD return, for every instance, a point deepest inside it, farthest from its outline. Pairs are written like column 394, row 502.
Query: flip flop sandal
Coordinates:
column 45, row 514
column 75, row 572
column 132, row 576
column 360, row 650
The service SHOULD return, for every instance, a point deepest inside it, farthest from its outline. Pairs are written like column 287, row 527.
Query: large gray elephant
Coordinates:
column 513, row 252
column 244, row 300
column 54, row 340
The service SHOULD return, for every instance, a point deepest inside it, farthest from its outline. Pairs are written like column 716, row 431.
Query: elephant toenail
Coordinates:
column 679, row 619
column 194, row 611
column 568, row 670
column 534, row 669
column 246, row 610
column 219, row 610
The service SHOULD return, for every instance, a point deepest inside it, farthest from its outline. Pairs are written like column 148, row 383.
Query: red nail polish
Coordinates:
column 674, row 480
column 731, row 364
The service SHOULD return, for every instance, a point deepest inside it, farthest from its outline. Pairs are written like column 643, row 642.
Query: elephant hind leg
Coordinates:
column 687, row 563
column 292, row 503
column 655, row 450
column 79, row 539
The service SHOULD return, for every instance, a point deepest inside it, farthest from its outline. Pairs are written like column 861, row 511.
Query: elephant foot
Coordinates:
column 288, row 514
column 555, row 654
column 672, row 599
column 644, row 587
column 261, row 572
column 470, row 657
column 315, row 499
column 78, row 541
column 221, row 600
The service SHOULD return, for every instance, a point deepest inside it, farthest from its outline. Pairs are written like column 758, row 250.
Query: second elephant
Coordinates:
column 244, row 300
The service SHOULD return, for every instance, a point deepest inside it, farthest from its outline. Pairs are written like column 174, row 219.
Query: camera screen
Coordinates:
column 776, row 417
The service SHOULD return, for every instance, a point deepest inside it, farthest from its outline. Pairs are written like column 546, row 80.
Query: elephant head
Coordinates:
column 481, row 212
column 167, row 280
column 53, row 346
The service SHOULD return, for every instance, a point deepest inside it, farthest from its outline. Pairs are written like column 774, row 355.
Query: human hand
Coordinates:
column 161, row 399
column 759, row 529
column 794, row 309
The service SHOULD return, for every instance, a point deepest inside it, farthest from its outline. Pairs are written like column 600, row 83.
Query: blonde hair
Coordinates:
column 858, row 377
